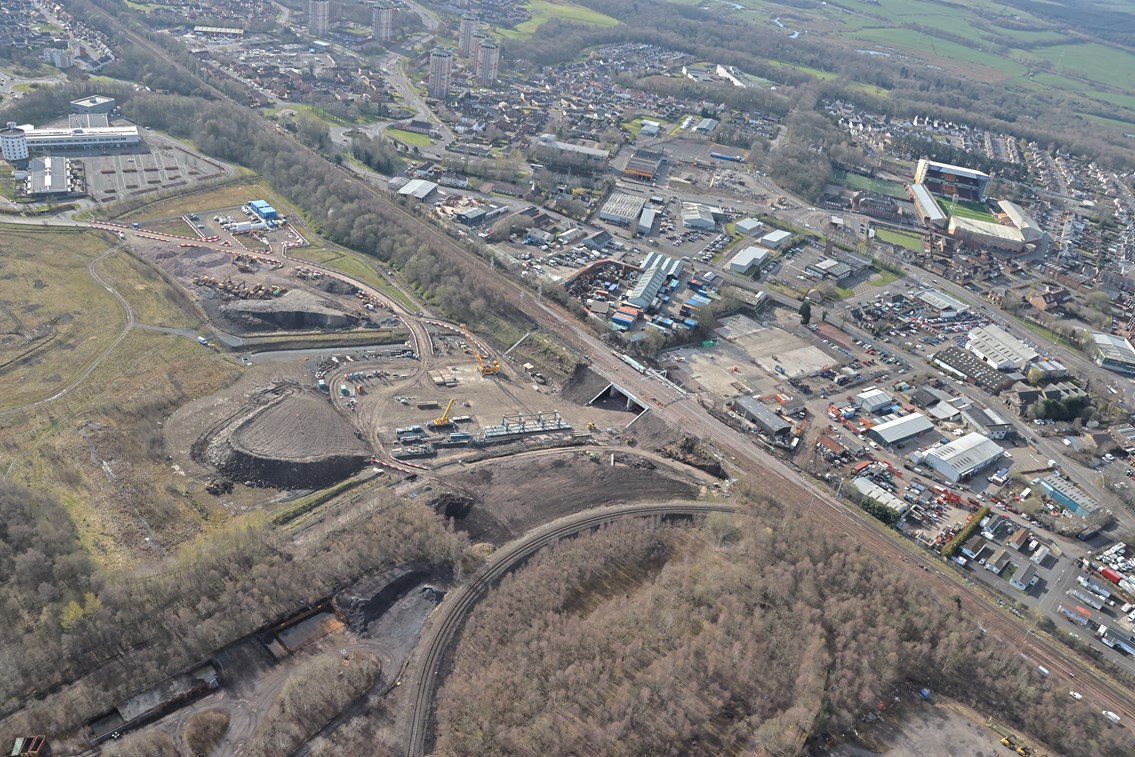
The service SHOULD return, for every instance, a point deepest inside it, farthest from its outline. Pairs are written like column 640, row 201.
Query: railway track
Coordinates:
column 455, row 610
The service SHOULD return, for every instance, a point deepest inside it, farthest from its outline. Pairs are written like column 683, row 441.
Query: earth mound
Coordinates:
column 285, row 437
column 293, row 310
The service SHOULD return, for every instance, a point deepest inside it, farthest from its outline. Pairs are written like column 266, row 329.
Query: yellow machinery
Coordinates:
column 487, row 369
column 443, row 421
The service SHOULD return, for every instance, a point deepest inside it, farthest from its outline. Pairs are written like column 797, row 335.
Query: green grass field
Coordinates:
column 409, row 137
column 1097, row 63
column 542, row 11
column 962, row 209
column 911, row 242
column 882, row 277
column 858, row 181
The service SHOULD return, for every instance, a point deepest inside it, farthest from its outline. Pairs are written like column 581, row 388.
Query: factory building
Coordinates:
column 748, row 226
column 382, row 19
column 900, row 429
column 829, row 269
column 644, row 165
column 748, row 260
column 1064, row 492
column 963, row 457
column 874, row 400
column 650, row 128
column 761, row 416
column 647, row 220
column 1000, row 349
column 776, row 239
column 318, row 17
column 419, row 189
column 697, row 216
column 952, row 181
column 547, row 147
column 1114, row 353
column 441, row 72
column 488, row 63
column 621, row 209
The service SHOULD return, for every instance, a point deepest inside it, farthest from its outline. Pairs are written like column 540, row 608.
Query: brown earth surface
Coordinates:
column 513, row 495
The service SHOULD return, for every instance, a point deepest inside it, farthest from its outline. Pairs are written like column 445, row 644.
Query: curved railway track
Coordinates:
column 455, row 609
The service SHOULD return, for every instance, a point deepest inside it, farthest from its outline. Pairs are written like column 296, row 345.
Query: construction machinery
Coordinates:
column 488, row 368
column 443, row 421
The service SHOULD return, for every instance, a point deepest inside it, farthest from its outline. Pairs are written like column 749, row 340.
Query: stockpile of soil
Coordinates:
column 584, row 385
column 293, row 310
column 287, row 437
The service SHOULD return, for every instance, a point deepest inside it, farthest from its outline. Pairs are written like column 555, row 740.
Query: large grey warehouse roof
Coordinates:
column 762, row 415
column 998, row 347
column 623, row 207
column 902, row 428
column 941, row 301
column 1114, row 348
column 970, row 453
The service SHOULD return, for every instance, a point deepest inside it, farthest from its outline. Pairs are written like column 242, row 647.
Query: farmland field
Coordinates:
column 542, row 11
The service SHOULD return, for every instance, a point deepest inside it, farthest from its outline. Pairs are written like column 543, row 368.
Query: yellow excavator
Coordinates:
column 444, row 421
column 487, row 368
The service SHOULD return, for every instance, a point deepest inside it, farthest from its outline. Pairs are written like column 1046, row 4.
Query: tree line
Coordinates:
column 123, row 632
column 760, row 634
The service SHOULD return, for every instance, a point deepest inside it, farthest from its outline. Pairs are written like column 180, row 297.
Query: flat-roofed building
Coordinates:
column 621, row 209
column 1114, row 353
column 468, row 24
column 318, row 17
column 49, row 176
column 488, row 63
column 94, row 104
column 776, row 239
column 550, row 149
column 750, row 259
column 829, row 269
column 1000, row 349
column 963, row 457
column 748, row 226
column 988, row 422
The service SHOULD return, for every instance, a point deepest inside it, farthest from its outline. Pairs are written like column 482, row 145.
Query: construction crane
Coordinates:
column 443, row 421
column 487, row 368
